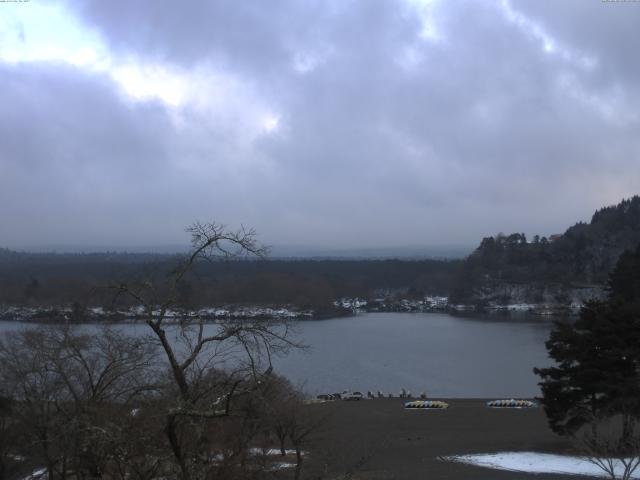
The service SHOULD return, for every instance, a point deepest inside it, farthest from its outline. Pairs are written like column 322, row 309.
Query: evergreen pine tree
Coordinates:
column 597, row 371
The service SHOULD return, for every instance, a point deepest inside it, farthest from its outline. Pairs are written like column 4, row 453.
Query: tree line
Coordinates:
column 51, row 279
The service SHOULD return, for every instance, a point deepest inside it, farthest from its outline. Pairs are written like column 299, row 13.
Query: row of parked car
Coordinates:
column 346, row 395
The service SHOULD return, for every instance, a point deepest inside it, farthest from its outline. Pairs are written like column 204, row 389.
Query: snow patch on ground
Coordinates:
column 272, row 451
column 39, row 474
column 282, row 466
column 532, row 462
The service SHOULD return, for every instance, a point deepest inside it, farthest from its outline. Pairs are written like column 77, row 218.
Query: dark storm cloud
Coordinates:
column 506, row 118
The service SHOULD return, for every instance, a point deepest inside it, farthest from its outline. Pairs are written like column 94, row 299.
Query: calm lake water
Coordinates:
column 444, row 355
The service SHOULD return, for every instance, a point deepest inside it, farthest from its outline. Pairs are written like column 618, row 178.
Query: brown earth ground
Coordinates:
column 379, row 440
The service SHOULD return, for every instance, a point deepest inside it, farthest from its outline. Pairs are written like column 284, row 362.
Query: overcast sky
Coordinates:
column 329, row 123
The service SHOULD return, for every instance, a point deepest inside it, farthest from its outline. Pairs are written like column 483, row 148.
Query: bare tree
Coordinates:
column 162, row 405
column 71, row 391
column 7, row 438
column 197, row 352
column 613, row 446
column 289, row 419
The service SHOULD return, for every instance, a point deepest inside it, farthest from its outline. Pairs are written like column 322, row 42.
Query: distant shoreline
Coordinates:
column 65, row 315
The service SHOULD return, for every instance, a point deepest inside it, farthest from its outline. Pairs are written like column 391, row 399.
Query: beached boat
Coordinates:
column 426, row 404
column 511, row 403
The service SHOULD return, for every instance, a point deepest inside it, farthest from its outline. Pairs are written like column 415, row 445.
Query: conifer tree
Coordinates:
column 597, row 371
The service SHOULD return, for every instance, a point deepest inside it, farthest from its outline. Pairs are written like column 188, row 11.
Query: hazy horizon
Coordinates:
column 275, row 251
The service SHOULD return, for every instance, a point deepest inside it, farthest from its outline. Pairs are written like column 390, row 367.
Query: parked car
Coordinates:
column 352, row 396
column 325, row 396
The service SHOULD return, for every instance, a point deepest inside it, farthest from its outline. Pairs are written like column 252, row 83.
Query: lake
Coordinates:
column 441, row 354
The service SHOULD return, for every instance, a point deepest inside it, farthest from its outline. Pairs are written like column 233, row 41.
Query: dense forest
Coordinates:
column 581, row 257
column 45, row 279
column 503, row 269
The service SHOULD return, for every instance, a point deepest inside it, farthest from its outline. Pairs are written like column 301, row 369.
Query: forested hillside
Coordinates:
column 582, row 256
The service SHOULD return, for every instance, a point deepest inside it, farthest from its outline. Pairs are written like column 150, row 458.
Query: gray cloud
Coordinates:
column 386, row 137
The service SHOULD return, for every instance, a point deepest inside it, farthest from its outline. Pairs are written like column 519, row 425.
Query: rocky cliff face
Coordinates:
column 536, row 297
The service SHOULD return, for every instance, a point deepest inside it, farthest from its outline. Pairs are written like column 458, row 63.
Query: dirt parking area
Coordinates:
column 379, row 439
